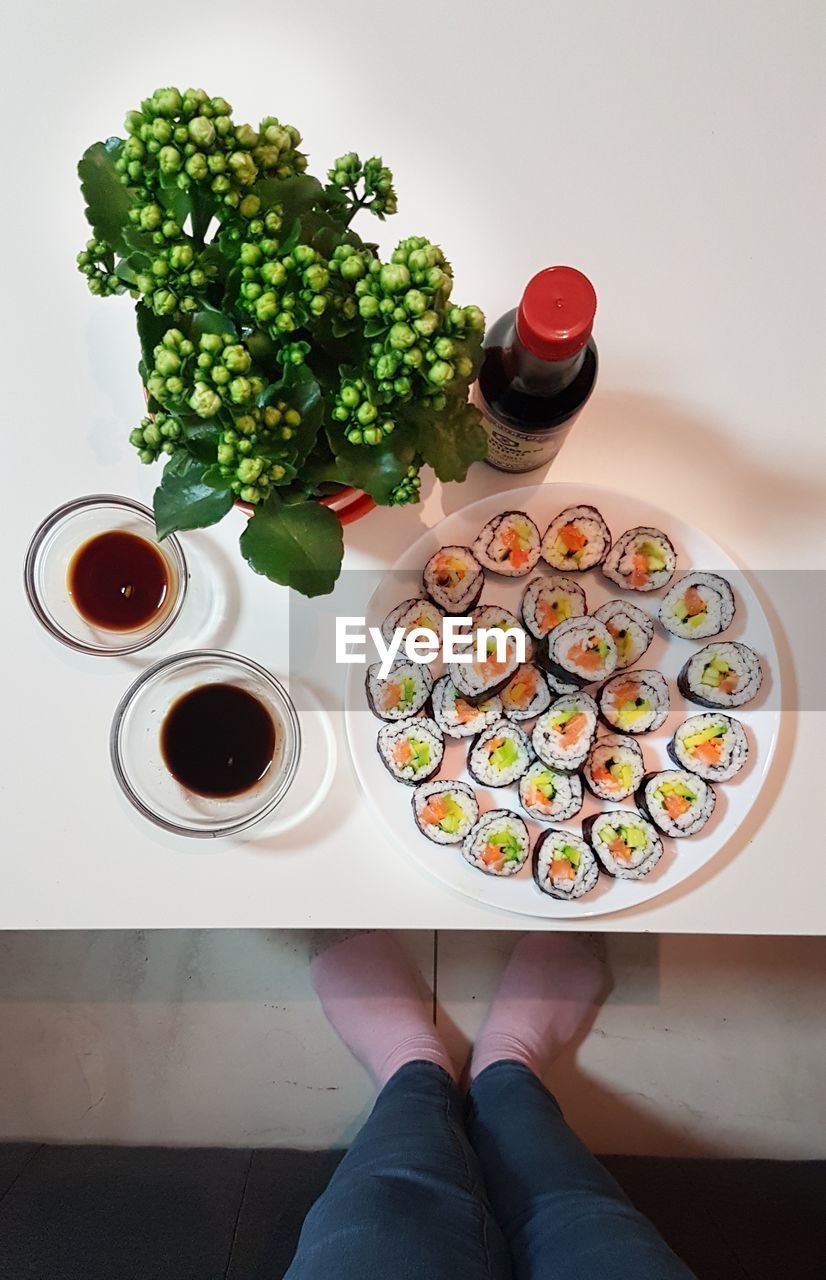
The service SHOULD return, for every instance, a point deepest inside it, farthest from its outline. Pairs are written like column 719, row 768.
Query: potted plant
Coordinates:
column 284, row 362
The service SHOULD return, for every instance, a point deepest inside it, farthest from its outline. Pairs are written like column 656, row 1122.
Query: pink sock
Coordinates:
column 377, row 1005
column 550, row 986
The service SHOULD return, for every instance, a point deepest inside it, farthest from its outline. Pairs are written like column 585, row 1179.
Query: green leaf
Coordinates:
column 296, row 193
column 184, row 499
column 211, row 320
column 299, row 545
column 151, row 329
column 202, row 438
column 301, row 390
column 375, row 468
column 451, row 440
column 107, row 199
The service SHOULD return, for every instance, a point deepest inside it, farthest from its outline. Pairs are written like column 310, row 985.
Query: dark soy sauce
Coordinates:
column 118, row 581
column 218, row 740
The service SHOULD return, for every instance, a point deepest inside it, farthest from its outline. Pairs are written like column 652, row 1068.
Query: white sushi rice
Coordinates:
column 410, row 615
column 514, row 693
column 631, row 630
column 552, row 846
column 620, row 564
column 568, row 642
column 653, row 797
column 734, row 746
column 695, row 681
column 453, row 579
column 559, row 687
column 588, row 521
column 463, row 813
column 482, row 759
column 492, row 550
column 548, row 601
column 549, row 795
column 444, row 698
column 643, row 712
column 547, row 738
column 385, row 696
column 618, row 756
column 717, row 614
column 422, row 730
column 471, row 678
column 494, row 826
column 634, row 861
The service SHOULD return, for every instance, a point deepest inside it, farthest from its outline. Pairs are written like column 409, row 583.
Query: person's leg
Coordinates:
column 562, row 1213
column 407, row 1201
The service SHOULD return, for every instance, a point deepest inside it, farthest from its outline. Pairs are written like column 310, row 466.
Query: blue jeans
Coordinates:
column 433, row 1189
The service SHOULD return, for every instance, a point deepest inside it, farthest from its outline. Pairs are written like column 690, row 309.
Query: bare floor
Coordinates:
column 706, row 1046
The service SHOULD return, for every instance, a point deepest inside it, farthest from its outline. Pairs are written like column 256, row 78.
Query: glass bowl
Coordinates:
column 135, row 745
column 49, row 557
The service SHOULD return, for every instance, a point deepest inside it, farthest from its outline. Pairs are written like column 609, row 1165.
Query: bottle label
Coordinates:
column 510, row 449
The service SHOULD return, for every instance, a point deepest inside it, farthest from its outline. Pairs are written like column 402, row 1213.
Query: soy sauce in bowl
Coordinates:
column 119, row 581
column 218, row 740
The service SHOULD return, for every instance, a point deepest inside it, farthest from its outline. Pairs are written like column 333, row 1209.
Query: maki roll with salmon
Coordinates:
column 413, row 615
column 411, row 750
column 576, row 540
column 631, row 630
column 453, row 579
column 726, row 674
column 559, row 687
column 548, row 601
column 508, row 544
column 563, row 865
column 581, row 650
column 482, row 677
column 458, row 718
column 445, row 811
column 614, row 768
column 678, row 802
column 402, row 693
column 626, row 844
column 635, row 702
column 563, row 734
column 526, row 695
column 711, row 745
column 499, row 843
column 549, row 794
column 643, row 559
column 499, row 756
column 698, row 605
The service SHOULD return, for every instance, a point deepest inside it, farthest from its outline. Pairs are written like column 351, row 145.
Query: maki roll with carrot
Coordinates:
column 725, row 675
column 563, row 865
column 581, row 650
column 678, row 802
column 457, row 717
column 402, row 693
column 445, row 811
column 485, row 675
column 549, row 794
column 499, row 843
column 626, row 844
column 508, row 544
column 631, row 630
column 614, row 768
column 698, row 605
column 576, row 540
column 548, row 601
column 453, row 579
column 643, row 559
column 411, row 750
column 712, row 745
column 412, row 615
column 635, row 702
column 499, row 756
column 526, row 694
column 562, row 735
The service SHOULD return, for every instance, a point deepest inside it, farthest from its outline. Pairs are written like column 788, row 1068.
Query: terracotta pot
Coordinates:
column 348, row 504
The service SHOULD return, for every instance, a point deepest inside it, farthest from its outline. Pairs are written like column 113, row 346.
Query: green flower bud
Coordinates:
column 204, row 401
column 249, row 206
column 273, row 273
column 250, row 493
column 151, row 435
column 440, row 373
column 169, row 160
column 464, row 366
column 175, row 386
column 133, row 122
column 354, row 436
column 197, row 278
column 394, row 277
column 318, row 304
column 162, row 131
column 351, row 268
column 245, row 446
column 240, row 390
column 340, row 414
column 401, row 336
column 226, row 454
column 221, row 184
column 202, row 132
column 164, row 302
column 156, row 386
column 220, row 375
column 367, row 413
column 475, row 319
column 292, row 417
column 136, row 437
column 243, row 167
column 151, row 217
column 181, row 256
column 413, row 358
column 237, row 359
column 167, row 102
column 427, row 324
column 250, row 255
column 167, row 362
column 196, row 166
column 266, row 308
column 211, row 342
column 246, row 136
column 350, row 396
column 445, row 348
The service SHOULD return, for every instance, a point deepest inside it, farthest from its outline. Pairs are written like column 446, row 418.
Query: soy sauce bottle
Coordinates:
column 539, row 368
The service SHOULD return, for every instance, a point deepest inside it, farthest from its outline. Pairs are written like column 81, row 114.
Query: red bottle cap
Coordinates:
column 556, row 314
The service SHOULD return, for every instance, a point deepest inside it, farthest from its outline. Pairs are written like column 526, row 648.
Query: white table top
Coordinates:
column 673, row 167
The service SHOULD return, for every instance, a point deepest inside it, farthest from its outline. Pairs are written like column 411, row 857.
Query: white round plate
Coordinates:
column 391, row 800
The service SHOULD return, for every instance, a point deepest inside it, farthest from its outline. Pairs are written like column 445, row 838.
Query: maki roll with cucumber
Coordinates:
column 725, row 674
column 457, row 717
column 563, row 865
column 499, row 756
column 485, row 675
column 508, row 544
column 526, row 694
column 615, row 767
column 412, row 615
column 576, row 540
column 453, row 579
column 713, row 746
column 635, row 702
column 626, row 844
column 581, row 650
column 562, row 735
column 698, row 605
column 412, row 750
column 631, row 630
column 678, row 802
column 549, row 794
column 498, row 844
column 402, row 693
column 548, row 601
column 445, row 811
column 643, row 559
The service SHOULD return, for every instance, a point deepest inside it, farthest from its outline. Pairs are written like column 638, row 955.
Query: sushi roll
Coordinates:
column 698, row 605
column 508, row 544
column 458, row 718
column 678, row 802
column 559, row 687
column 635, row 702
column 550, row 795
column 626, row 844
column 445, row 811
column 631, row 630
column 402, row 693
column 480, row 678
column 576, row 540
column 581, row 650
column 453, row 579
column 614, row 768
column 643, row 559
column 411, row 615
column 498, row 844
column 726, row 674
column 562, row 736
column 495, row 616
column 712, row 745
column 548, row 601
column 563, row 865
column 412, row 750
column 499, row 756
column 526, row 694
